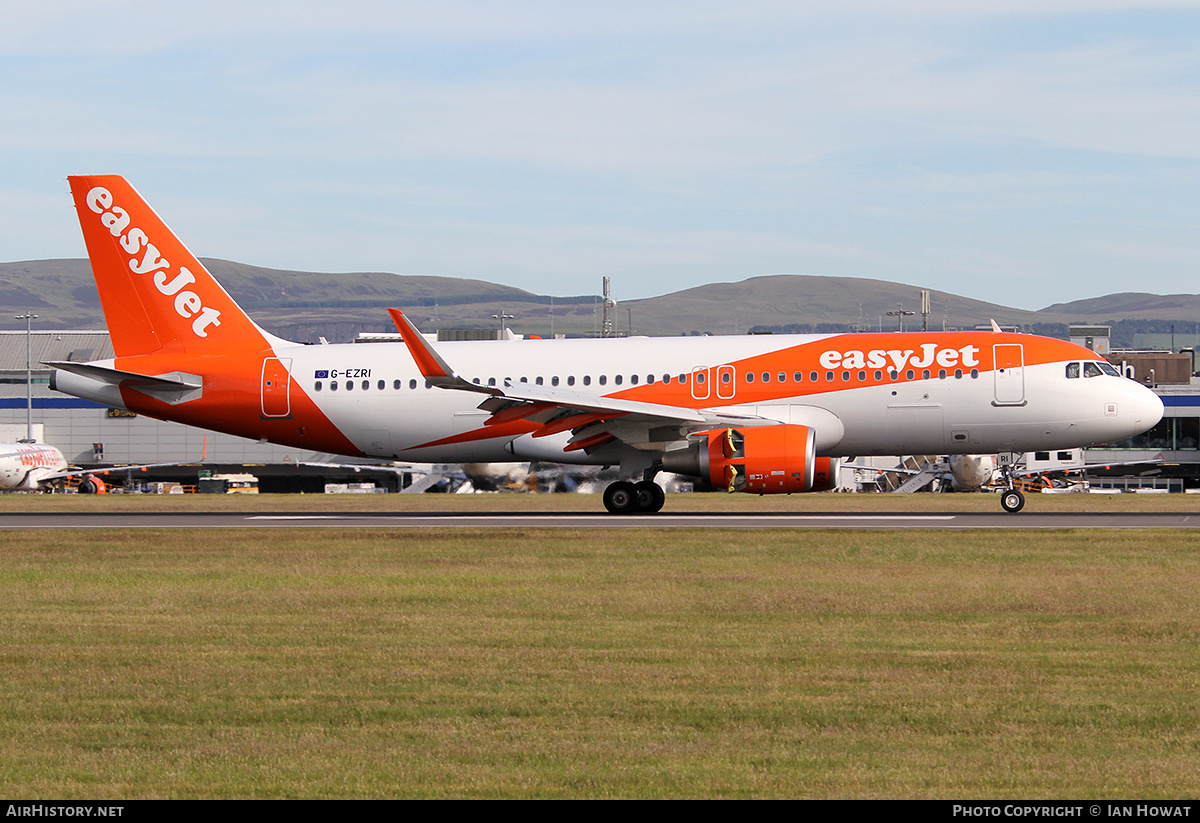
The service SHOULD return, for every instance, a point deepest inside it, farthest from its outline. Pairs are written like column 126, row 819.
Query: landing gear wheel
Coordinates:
column 620, row 498
column 649, row 496
column 1012, row 501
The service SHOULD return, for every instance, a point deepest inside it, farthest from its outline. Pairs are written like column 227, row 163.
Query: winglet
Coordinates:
column 996, row 327
column 433, row 368
column 431, row 364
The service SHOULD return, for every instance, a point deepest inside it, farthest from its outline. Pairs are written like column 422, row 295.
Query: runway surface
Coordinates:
column 561, row 520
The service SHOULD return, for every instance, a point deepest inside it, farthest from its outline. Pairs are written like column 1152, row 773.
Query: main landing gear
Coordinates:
column 624, row 497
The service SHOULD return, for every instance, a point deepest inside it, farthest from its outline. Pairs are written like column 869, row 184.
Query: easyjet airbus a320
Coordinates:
column 757, row 414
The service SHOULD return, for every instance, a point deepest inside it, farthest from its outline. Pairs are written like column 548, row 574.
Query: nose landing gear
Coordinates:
column 1012, row 501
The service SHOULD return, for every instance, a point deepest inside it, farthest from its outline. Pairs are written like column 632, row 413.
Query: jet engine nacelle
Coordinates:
column 93, row 485
column 758, row 460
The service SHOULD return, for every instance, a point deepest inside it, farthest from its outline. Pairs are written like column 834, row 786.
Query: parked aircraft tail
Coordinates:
column 156, row 294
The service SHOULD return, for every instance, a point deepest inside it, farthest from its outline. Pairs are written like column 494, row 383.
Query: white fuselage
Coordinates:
column 23, row 466
column 939, row 415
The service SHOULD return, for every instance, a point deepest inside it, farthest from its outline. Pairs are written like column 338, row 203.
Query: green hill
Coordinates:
column 304, row 306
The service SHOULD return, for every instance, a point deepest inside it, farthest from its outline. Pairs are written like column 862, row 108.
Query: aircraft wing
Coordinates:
column 107, row 470
column 594, row 419
column 881, row 469
column 1157, row 460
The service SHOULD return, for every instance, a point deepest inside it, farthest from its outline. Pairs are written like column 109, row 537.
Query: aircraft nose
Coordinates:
column 1145, row 409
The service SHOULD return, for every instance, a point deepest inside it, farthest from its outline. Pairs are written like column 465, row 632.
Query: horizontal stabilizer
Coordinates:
column 116, row 377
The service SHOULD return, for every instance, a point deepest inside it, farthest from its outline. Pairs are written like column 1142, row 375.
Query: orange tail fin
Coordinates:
column 155, row 293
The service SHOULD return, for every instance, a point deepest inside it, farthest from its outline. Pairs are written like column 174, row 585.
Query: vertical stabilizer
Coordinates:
column 155, row 293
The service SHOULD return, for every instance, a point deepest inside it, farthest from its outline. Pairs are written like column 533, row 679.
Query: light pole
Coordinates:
column 28, row 317
column 900, row 314
column 502, row 317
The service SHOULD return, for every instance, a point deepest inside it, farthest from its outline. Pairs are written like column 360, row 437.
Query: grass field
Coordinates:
column 598, row 663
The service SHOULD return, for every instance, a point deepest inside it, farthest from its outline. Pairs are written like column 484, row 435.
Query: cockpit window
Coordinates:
column 1072, row 370
column 1109, row 369
column 1091, row 369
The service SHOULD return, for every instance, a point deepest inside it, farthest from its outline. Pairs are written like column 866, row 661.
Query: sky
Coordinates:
column 1024, row 153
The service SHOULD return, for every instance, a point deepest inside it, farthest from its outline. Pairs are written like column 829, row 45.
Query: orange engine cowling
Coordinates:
column 766, row 460
column 93, row 485
column 825, row 474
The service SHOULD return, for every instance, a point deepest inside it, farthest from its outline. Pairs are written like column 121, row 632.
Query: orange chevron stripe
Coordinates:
column 514, row 428
column 589, row 442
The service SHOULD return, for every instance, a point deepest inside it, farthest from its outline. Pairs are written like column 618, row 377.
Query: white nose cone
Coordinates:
column 1138, row 410
column 1147, row 409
